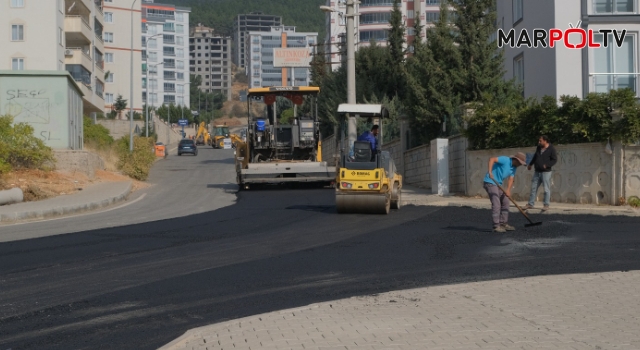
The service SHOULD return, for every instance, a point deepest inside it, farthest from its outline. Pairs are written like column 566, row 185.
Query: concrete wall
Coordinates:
column 49, row 101
column 631, row 173
column 161, row 130
column 417, row 167
column 583, row 174
column 457, row 158
column 120, row 128
column 82, row 161
column 330, row 151
column 395, row 149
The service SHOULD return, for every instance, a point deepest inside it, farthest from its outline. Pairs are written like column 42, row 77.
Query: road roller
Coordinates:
column 366, row 181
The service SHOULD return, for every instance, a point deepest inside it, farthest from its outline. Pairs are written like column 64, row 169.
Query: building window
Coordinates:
column 179, row 28
column 108, row 57
column 108, row 17
column 614, row 68
column 108, row 37
column 518, row 69
column 410, row 14
column 179, row 17
column 17, row 63
column 17, row 32
column 381, row 17
column 614, row 6
column 110, row 78
column 433, row 17
column 168, row 27
column 376, row 3
column 108, row 98
column 517, row 10
column 17, row 3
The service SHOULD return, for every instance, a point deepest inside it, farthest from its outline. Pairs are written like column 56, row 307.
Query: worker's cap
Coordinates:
column 520, row 157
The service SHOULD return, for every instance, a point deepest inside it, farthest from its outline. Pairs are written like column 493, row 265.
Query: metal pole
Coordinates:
column 131, row 86
column 168, row 125
column 351, row 70
column 146, row 79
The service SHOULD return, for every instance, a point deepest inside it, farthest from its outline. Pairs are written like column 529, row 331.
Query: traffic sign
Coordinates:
column 183, row 122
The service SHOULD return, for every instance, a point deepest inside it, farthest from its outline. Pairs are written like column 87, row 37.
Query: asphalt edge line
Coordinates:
column 66, row 210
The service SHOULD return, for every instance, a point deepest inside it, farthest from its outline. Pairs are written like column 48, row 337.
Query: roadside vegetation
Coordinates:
column 20, row 149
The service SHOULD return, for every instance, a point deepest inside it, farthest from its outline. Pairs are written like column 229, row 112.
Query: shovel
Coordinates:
column 517, row 206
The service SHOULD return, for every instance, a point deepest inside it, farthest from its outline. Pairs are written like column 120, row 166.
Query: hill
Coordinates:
column 219, row 14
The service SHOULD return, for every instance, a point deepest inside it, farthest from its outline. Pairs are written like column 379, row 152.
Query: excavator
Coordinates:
column 221, row 132
column 203, row 137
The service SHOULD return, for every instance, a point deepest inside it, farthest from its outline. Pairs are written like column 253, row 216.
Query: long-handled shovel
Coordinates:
column 517, row 206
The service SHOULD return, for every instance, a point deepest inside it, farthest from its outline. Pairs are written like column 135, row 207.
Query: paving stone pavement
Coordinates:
column 580, row 311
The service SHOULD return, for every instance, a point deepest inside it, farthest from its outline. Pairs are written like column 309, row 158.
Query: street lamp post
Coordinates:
column 147, row 80
column 351, row 65
column 131, row 86
column 183, row 85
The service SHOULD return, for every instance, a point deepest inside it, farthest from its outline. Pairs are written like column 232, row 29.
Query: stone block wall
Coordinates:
column 457, row 157
column 395, row 149
column 417, row 167
column 82, row 161
column 161, row 131
column 120, row 128
column 330, row 150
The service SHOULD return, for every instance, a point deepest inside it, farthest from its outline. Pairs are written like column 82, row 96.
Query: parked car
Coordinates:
column 187, row 146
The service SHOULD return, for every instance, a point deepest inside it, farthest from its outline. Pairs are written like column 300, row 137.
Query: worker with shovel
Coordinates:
column 502, row 169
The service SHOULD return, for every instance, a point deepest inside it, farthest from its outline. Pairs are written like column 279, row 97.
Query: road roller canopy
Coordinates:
column 294, row 93
column 364, row 110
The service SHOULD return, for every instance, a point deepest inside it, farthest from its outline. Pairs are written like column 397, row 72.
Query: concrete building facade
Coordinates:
column 373, row 23
column 562, row 71
column 165, row 52
column 56, row 35
column 259, row 51
column 245, row 23
column 118, row 36
column 210, row 58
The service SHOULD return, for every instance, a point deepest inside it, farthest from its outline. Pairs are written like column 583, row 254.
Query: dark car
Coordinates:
column 187, row 146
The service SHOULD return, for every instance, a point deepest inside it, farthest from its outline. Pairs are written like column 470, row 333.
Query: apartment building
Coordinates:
column 562, row 71
column 56, row 35
column 245, row 23
column 210, row 58
column 259, row 58
column 372, row 23
column 118, row 38
column 165, row 41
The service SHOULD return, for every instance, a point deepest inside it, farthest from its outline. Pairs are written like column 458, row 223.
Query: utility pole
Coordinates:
column 351, row 70
column 131, row 86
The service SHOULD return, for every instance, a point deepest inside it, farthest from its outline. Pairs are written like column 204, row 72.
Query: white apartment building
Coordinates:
column 259, row 56
column 118, row 35
column 210, row 58
column 56, row 35
column 561, row 71
column 251, row 22
column 373, row 23
column 165, row 41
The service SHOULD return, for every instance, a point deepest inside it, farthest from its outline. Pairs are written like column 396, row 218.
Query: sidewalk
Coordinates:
column 580, row 311
column 418, row 196
column 90, row 198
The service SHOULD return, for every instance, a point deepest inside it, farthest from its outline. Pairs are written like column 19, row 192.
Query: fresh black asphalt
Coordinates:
column 141, row 285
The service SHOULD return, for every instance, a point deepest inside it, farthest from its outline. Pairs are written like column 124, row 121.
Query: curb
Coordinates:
column 66, row 210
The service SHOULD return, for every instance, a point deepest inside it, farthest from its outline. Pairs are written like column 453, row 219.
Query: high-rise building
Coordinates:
column 252, row 22
column 372, row 23
column 165, row 41
column 259, row 51
column 558, row 70
column 118, row 38
column 56, row 35
column 210, row 58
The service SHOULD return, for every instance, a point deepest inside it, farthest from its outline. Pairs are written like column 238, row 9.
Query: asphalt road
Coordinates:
column 141, row 285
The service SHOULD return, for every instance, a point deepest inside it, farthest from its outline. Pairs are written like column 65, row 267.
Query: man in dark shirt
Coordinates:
column 543, row 160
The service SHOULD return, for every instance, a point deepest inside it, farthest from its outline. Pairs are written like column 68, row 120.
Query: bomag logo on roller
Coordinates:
column 360, row 173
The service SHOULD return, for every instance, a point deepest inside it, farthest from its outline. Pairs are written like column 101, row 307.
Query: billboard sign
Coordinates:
column 292, row 58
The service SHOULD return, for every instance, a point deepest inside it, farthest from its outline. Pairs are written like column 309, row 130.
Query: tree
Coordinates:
column 120, row 105
column 396, row 51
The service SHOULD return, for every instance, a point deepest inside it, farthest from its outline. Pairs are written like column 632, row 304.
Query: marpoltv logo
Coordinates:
column 571, row 38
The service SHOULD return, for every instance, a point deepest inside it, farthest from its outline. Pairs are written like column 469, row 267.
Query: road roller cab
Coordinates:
column 367, row 182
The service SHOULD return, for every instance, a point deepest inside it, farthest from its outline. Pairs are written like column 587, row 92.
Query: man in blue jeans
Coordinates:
column 502, row 170
column 543, row 160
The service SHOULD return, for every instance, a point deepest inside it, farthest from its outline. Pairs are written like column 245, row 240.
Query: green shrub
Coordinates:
column 634, row 201
column 138, row 163
column 96, row 135
column 19, row 148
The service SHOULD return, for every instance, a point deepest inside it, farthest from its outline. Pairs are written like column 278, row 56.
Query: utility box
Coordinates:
column 440, row 167
column 49, row 101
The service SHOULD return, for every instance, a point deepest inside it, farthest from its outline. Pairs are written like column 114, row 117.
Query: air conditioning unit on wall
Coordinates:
column 68, row 52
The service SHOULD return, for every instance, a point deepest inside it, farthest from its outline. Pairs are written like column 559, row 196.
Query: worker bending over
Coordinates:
column 371, row 136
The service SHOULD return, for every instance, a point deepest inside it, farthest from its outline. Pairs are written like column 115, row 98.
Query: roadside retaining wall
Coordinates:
column 395, row 149
column 457, row 168
column 417, row 167
column 161, row 131
column 631, row 173
column 82, row 161
column 120, row 128
column 330, row 150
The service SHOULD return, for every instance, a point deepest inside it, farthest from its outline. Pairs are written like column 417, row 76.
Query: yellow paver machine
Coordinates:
column 366, row 180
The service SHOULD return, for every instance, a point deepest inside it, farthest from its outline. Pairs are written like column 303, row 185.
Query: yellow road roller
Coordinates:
column 366, row 181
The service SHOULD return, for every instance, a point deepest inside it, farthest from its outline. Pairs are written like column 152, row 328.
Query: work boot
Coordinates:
column 528, row 206
column 508, row 227
column 499, row 229
column 545, row 208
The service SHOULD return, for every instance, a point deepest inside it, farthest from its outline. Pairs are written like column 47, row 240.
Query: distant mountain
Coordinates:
column 219, row 14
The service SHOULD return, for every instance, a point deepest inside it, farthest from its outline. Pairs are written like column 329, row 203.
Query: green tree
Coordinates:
column 119, row 106
column 397, row 81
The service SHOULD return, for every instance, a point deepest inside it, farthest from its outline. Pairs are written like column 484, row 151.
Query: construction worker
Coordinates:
column 371, row 136
column 502, row 170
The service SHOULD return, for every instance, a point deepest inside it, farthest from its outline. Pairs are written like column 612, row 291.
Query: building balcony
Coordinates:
column 77, row 56
column 77, row 29
column 605, row 82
